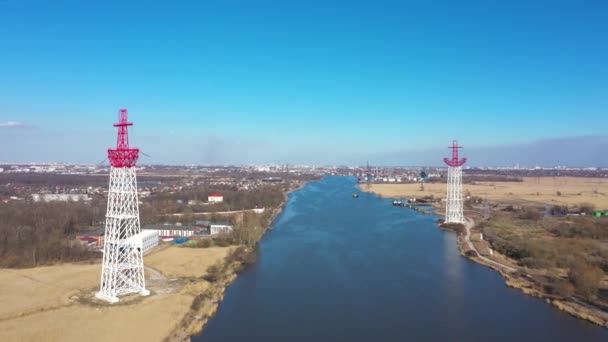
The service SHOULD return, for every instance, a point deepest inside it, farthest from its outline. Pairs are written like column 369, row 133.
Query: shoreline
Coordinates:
column 205, row 305
column 522, row 282
column 518, row 279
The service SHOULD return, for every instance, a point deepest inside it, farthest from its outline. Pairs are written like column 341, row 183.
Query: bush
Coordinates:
column 242, row 255
column 565, row 289
column 557, row 210
column 222, row 242
column 587, row 208
column 581, row 227
column 471, row 253
column 205, row 243
column 532, row 262
column 214, row 273
column 585, row 278
column 530, row 214
column 457, row 227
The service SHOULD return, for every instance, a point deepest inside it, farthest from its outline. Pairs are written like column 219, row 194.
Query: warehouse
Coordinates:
column 146, row 240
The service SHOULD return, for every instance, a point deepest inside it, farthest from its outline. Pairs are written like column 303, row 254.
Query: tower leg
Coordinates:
column 454, row 212
column 123, row 268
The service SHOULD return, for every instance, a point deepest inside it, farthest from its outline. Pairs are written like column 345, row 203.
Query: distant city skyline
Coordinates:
column 260, row 82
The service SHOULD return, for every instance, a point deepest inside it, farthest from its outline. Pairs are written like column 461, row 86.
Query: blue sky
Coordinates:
column 301, row 81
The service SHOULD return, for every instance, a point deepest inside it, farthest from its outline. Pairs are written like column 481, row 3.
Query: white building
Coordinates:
column 215, row 198
column 60, row 197
column 218, row 228
column 173, row 230
column 146, row 240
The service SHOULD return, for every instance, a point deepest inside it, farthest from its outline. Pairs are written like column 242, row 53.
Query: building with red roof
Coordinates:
column 215, row 198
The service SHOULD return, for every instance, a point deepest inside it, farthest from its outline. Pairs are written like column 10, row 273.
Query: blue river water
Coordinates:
column 336, row 268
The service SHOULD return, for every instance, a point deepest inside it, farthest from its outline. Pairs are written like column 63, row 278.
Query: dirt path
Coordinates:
column 470, row 223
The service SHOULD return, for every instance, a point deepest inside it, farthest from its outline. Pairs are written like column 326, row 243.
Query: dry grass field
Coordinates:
column 36, row 289
column 573, row 191
column 186, row 262
column 56, row 303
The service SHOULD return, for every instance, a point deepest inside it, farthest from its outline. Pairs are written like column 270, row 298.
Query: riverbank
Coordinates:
column 205, row 303
column 186, row 284
column 525, row 280
column 529, row 281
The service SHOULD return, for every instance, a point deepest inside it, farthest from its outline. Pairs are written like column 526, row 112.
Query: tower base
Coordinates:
column 109, row 299
column 113, row 299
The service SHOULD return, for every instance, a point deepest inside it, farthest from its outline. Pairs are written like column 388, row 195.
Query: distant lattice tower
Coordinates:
column 123, row 266
column 454, row 205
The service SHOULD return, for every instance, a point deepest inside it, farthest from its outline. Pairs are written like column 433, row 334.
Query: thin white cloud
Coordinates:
column 11, row 124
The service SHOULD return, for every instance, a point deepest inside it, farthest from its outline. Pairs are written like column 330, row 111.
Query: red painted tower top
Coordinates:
column 455, row 161
column 122, row 155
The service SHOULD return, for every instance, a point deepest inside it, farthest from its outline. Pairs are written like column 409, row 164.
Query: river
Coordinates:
column 336, row 268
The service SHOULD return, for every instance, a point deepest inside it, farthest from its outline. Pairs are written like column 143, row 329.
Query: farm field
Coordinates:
column 572, row 191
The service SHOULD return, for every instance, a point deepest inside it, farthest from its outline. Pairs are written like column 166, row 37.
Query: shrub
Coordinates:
column 557, row 210
column 585, row 278
column 587, row 208
column 532, row 262
column 457, row 227
column 565, row 289
column 471, row 253
column 206, row 243
column 243, row 255
column 530, row 214
column 213, row 273
column 222, row 242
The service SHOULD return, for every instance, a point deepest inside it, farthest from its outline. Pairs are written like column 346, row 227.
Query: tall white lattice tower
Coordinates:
column 123, row 265
column 455, row 202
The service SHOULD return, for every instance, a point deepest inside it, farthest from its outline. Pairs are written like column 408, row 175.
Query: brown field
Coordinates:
column 574, row 191
column 186, row 262
column 56, row 303
column 40, row 288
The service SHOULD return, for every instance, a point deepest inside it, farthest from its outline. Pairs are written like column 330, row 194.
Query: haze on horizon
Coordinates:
column 392, row 82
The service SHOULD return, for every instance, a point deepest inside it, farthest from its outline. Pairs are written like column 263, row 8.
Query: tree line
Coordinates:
column 33, row 234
